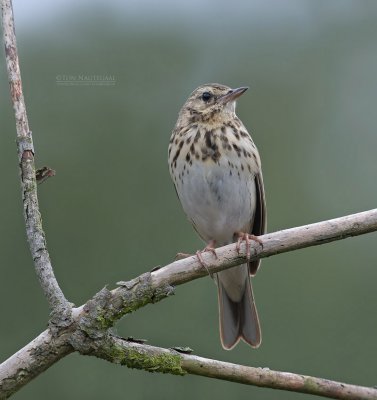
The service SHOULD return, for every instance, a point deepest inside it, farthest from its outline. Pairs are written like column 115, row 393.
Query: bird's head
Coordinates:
column 210, row 104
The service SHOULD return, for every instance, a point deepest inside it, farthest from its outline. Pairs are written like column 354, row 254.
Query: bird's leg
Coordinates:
column 211, row 248
column 247, row 237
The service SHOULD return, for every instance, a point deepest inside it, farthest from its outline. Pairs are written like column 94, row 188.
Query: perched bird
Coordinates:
column 217, row 174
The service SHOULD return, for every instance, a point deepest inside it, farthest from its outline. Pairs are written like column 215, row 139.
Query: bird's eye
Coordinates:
column 206, row 96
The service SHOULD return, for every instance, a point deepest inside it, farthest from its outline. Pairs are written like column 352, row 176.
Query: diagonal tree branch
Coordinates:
column 89, row 333
column 30, row 361
column 60, row 308
column 109, row 306
column 273, row 243
column 150, row 358
column 87, row 329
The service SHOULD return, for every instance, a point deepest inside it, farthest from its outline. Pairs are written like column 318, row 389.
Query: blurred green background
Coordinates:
column 111, row 212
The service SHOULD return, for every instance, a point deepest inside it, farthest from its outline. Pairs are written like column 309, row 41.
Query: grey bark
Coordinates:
column 30, row 361
column 273, row 243
column 60, row 308
column 86, row 329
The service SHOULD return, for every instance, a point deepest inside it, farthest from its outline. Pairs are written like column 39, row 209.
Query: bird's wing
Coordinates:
column 260, row 217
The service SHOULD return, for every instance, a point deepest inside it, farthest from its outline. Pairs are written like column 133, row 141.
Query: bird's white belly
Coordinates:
column 218, row 200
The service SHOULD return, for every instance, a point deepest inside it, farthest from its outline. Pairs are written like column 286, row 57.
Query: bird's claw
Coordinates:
column 181, row 256
column 208, row 248
column 247, row 237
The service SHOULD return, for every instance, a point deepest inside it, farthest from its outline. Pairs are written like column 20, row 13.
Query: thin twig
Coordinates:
column 42, row 174
column 59, row 305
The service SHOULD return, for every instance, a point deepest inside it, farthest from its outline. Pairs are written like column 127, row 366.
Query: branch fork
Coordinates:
column 86, row 329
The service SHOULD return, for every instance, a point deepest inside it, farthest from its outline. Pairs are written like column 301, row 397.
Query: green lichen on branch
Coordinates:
column 107, row 307
column 139, row 292
column 121, row 352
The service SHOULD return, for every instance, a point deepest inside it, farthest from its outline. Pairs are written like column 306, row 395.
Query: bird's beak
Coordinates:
column 232, row 95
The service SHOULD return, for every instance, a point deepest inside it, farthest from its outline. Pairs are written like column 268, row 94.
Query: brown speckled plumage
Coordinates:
column 216, row 171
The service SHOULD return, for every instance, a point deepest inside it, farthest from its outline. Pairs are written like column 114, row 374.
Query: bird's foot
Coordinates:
column 208, row 248
column 181, row 256
column 247, row 237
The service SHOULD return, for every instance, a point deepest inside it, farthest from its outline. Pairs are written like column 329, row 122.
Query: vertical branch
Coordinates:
column 59, row 306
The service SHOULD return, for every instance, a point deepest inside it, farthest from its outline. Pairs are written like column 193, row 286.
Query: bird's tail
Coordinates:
column 238, row 320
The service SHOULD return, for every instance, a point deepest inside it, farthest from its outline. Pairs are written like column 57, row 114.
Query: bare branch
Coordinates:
column 59, row 306
column 45, row 350
column 151, row 287
column 155, row 359
column 87, row 329
column 30, row 361
column 283, row 241
column 89, row 333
